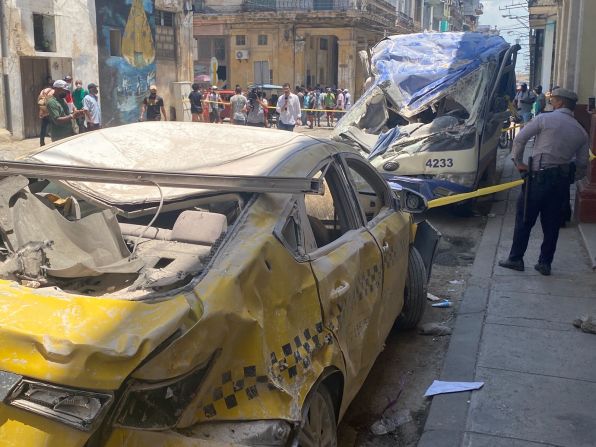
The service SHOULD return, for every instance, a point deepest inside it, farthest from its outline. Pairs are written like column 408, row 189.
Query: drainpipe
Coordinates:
column 432, row 17
column 3, row 53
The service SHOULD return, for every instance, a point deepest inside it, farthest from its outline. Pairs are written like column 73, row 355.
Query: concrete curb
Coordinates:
column 588, row 234
column 448, row 415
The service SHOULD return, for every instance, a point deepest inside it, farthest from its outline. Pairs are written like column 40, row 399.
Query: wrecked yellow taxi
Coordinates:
column 184, row 284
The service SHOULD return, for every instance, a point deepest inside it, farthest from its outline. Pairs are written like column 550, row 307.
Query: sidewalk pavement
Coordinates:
column 514, row 332
column 15, row 149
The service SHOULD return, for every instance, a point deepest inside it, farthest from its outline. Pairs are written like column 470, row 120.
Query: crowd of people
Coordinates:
column 305, row 106
column 530, row 103
column 65, row 111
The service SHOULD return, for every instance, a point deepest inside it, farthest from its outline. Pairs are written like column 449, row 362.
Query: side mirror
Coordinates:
column 411, row 201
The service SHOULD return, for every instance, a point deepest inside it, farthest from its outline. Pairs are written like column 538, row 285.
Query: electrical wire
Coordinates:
column 134, row 248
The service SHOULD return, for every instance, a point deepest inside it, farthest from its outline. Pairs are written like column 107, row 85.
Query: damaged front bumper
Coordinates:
column 430, row 188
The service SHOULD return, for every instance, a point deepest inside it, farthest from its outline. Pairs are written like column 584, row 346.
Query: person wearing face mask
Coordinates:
column 288, row 107
column 153, row 107
column 78, row 95
column 68, row 98
column 59, row 113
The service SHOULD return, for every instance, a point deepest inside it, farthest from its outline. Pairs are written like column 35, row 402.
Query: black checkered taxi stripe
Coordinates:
column 234, row 387
column 369, row 282
column 298, row 352
column 248, row 384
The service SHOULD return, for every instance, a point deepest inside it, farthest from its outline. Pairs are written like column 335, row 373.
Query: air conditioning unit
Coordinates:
column 242, row 54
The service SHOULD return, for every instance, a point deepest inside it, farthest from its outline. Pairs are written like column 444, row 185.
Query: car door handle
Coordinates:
column 339, row 291
column 385, row 247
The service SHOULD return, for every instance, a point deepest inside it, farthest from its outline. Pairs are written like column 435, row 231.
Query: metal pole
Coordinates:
column 238, row 183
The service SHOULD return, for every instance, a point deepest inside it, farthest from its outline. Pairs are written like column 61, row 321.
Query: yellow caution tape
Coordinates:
column 273, row 107
column 442, row 201
column 511, row 128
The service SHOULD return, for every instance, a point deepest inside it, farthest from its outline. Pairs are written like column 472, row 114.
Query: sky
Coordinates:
column 511, row 29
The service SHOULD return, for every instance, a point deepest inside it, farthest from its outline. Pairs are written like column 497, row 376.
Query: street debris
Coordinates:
column 456, row 281
column 390, row 421
column 432, row 297
column 440, row 387
column 435, row 329
column 586, row 324
column 444, row 303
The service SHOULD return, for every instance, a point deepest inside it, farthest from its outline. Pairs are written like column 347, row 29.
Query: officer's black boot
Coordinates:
column 513, row 265
column 543, row 268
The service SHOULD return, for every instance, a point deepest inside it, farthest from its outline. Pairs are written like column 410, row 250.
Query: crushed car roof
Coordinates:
column 171, row 147
column 422, row 66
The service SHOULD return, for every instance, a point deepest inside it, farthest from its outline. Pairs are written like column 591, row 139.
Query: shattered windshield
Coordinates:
column 423, row 85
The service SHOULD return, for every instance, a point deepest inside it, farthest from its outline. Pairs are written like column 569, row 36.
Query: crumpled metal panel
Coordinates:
column 420, row 67
column 262, row 312
column 173, row 147
column 83, row 342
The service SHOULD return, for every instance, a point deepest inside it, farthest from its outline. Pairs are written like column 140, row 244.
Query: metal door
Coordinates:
column 348, row 271
column 390, row 230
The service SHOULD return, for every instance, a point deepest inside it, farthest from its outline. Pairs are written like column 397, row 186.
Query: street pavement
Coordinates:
column 514, row 332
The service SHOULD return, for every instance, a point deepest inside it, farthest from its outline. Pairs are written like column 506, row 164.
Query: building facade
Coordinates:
column 543, row 16
column 303, row 42
column 562, row 54
column 41, row 39
column 124, row 46
column 140, row 43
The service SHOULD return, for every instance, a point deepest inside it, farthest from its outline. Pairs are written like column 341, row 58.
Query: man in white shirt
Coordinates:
column 92, row 108
column 288, row 107
column 348, row 100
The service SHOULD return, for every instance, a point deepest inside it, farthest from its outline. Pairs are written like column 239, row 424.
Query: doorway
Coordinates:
column 34, row 72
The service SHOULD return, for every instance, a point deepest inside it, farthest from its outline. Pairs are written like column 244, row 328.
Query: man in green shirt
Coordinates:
column 59, row 114
column 78, row 95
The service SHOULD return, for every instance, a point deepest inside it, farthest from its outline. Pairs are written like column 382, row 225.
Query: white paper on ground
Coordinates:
column 440, row 387
column 432, row 297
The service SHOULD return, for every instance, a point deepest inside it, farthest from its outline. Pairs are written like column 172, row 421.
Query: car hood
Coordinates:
column 83, row 342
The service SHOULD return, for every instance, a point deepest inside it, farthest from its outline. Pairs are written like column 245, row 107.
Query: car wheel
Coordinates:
column 318, row 427
column 414, row 294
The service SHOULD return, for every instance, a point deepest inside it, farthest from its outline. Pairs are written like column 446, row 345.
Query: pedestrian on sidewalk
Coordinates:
column 524, row 99
column 560, row 139
column 153, row 106
column 68, row 97
column 213, row 103
column 78, row 95
column 288, row 107
column 92, row 108
column 196, row 103
column 42, row 102
column 61, row 119
column 238, row 107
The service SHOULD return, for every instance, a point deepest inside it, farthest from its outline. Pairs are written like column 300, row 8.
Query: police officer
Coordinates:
column 560, row 139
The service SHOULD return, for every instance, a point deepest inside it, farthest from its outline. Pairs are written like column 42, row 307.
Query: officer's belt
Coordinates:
column 552, row 171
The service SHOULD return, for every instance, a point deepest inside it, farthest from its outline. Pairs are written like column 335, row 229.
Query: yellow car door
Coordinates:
column 347, row 265
column 390, row 229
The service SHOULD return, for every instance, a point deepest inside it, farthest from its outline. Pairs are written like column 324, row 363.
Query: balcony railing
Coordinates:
column 296, row 5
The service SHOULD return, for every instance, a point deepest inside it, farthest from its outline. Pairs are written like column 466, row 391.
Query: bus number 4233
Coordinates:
column 439, row 163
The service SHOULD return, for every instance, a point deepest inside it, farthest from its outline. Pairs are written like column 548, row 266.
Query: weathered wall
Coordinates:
column 125, row 79
column 74, row 54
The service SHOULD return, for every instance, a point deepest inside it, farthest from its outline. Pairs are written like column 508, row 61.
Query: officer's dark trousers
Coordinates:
column 546, row 198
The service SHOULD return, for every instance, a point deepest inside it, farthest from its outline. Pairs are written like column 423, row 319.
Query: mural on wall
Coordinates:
column 126, row 31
